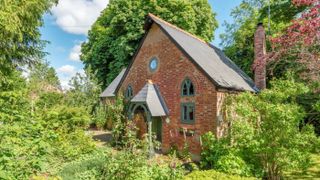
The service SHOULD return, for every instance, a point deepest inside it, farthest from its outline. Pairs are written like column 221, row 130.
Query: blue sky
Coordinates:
column 66, row 27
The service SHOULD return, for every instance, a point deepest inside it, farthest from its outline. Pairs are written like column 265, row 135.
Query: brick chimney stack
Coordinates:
column 260, row 57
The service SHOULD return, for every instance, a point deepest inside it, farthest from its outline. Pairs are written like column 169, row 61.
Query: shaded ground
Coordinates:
column 312, row 173
column 102, row 137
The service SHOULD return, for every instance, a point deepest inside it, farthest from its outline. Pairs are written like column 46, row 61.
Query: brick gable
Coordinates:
column 173, row 68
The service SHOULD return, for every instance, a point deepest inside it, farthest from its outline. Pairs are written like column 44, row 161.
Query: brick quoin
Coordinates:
column 172, row 70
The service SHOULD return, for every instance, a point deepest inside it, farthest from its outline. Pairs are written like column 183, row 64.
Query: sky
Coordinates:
column 66, row 27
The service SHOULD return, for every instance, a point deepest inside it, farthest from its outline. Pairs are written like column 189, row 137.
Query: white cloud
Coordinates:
column 67, row 70
column 65, row 73
column 75, row 53
column 77, row 16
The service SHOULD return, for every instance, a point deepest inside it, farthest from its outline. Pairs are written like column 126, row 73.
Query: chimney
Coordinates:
column 260, row 57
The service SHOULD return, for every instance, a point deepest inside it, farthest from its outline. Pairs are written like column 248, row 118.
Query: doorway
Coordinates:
column 157, row 128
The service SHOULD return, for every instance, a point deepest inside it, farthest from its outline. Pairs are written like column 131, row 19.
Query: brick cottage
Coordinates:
column 176, row 83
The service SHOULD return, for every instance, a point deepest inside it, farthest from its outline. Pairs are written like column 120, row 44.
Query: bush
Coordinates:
column 66, row 117
column 88, row 167
column 40, row 143
column 119, row 165
column 212, row 150
column 212, row 174
column 100, row 117
column 233, row 164
column 47, row 100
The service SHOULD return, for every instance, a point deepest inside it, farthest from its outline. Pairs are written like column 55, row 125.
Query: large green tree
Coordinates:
column 19, row 32
column 239, row 36
column 115, row 36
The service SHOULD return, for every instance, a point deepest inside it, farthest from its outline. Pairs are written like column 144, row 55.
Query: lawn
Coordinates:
column 312, row 173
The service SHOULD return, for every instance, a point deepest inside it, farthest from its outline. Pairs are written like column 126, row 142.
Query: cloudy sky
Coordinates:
column 67, row 26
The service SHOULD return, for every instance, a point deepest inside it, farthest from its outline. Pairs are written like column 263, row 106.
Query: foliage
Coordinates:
column 115, row 36
column 119, row 165
column 212, row 150
column 35, row 143
column 49, row 99
column 115, row 112
column 233, row 164
column 239, row 36
column 89, row 166
column 68, row 118
column 266, row 128
column 20, row 35
column 43, row 77
column 212, row 174
column 84, row 92
column 32, row 145
column 218, row 154
column 100, row 117
column 299, row 44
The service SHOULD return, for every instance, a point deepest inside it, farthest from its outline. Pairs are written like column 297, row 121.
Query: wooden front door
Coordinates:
column 157, row 128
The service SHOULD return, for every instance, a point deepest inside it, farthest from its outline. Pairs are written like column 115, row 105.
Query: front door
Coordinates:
column 157, row 128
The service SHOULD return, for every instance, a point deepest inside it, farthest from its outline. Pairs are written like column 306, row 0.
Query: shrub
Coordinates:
column 268, row 130
column 100, row 117
column 233, row 164
column 88, row 167
column 212, row 150
column 47, row 100
column 66, row 117
column 119, row 165
column 212, row 174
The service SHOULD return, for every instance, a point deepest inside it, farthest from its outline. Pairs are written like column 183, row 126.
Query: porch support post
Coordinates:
column 151, row 150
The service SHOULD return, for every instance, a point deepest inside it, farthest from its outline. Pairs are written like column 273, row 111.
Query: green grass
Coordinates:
column 312, row 173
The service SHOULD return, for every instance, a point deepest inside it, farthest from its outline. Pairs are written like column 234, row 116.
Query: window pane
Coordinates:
column 185, row 90
column 185, row 110
column 191, row 112
column 191, row 90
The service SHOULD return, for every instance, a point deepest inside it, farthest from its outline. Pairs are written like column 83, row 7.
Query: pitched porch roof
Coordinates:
column 150, row 95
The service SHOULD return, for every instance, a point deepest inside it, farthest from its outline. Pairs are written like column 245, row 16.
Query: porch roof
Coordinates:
column 150, row 95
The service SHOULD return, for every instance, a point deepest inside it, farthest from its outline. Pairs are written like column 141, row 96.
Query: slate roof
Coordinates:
column 150, row 95
column 110, row 90
column 215, row 64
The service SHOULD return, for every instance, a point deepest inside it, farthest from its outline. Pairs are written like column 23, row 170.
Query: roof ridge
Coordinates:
column 177, row 28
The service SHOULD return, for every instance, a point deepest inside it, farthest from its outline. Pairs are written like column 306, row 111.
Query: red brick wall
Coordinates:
column 173, row 68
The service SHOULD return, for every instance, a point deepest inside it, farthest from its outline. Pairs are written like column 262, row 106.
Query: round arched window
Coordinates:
column 153, row 65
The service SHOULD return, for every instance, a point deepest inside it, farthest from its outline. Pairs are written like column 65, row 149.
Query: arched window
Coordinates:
column 129, row 92
column 187, row 88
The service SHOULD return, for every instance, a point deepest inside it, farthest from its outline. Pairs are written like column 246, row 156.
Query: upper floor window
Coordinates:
column 153, row 65
column 187, row 88
column 129, row 92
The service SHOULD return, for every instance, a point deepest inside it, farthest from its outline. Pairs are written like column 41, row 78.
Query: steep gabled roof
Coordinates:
column 110, row 90
column 150, row 95
column 223, row 73
column 214, row 63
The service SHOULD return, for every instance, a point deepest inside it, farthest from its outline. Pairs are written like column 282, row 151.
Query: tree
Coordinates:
column 116, row 34
column 84, row 91
column 239, row 37
column 20, row 35
column 299, row 44
column 266, row 128
column 42, row 76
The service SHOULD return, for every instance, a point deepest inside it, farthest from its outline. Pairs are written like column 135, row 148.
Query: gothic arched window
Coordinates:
column 187, row 88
